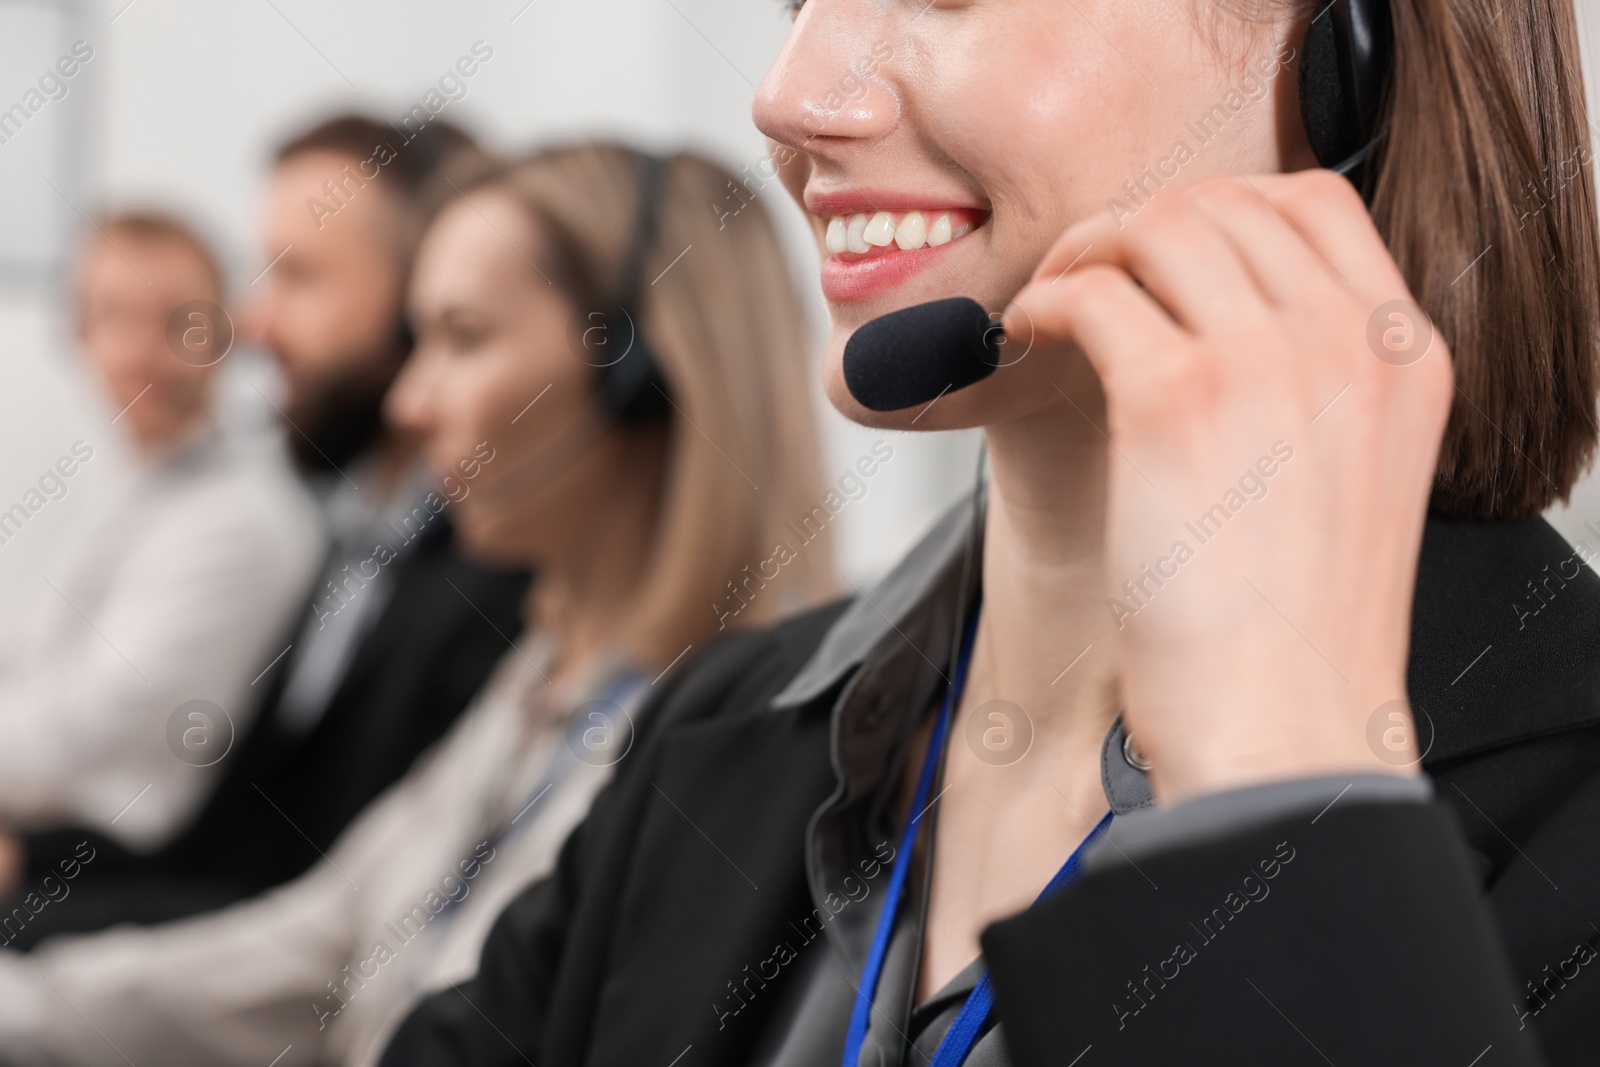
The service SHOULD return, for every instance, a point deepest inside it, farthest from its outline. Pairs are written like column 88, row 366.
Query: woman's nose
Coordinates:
column 408, row 405
column 830, row 85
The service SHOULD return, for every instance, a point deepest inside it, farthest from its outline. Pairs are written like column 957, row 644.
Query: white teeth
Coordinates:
column 880, row 230
column 852, row 234
column 861, row 233
column 835, row 237
column 912, row 231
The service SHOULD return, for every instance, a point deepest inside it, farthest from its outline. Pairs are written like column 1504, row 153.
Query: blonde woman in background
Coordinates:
column 635, row 524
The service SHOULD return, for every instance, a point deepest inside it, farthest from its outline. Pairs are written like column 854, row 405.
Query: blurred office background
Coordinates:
column 182, row 100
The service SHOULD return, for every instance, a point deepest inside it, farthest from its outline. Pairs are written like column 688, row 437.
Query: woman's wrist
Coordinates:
column 1217, row 764
column 1212, row 816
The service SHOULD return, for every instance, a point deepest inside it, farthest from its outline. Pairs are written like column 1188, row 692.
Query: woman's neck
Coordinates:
column 1044, row 639
column 582, row 597
column 1021, row 793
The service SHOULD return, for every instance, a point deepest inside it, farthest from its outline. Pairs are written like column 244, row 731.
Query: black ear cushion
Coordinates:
column 632, row 389
column 1345, row 67
column 1332, row 124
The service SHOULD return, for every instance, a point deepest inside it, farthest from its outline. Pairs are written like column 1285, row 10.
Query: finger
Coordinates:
column 1071, row 246
column 1126, row 335
column 1284, row 263
column 1328, row 212
column 1181, row 256
column 1312, row 305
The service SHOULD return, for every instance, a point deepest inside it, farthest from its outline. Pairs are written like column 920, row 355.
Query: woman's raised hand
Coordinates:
column 1275, row 402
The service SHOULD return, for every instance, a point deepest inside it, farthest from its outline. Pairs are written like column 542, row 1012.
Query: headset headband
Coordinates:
column 651, row 168
column 633, row 388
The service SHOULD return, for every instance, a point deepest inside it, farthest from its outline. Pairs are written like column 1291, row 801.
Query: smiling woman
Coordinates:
column 1250, row 302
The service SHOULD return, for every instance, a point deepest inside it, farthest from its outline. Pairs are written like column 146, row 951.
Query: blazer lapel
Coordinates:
column 722, row 853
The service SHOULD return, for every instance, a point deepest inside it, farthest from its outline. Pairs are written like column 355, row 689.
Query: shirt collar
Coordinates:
column 929, row 571
column 898, row 609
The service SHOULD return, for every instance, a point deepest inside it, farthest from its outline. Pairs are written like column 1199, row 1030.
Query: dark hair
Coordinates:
column 421, row 168
column 1485, row 196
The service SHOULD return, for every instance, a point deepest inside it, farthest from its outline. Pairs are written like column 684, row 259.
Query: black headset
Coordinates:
column 632, row 388
column 1344, row 76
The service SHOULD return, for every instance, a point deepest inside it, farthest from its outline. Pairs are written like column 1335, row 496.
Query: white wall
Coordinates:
column 1572, row 519
column 186, row 97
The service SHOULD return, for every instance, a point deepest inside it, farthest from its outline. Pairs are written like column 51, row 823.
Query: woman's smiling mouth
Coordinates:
column 868, row 251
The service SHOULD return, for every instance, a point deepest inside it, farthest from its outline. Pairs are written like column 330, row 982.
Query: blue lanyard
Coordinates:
column 562, row 762
column 963, row 1033
column 622, row 688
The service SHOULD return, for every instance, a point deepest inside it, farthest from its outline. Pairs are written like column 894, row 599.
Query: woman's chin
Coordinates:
column 488, row 541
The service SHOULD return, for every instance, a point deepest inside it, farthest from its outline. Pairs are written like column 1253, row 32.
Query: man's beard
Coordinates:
column 343, row 416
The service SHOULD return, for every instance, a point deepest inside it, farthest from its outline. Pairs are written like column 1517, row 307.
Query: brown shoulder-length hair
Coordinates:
column 728, row 327
column 1485, row 195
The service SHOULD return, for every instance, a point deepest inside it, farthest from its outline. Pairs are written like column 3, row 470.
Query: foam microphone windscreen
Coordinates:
column 914, row 355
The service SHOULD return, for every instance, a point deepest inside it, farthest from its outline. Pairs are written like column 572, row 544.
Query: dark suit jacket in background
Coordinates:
column 283, row 798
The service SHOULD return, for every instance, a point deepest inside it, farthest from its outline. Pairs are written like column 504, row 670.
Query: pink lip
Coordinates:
column 848, row 276
column 854, row 199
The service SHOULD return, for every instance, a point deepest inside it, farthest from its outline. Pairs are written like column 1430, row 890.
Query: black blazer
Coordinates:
column 1404, row 934
column 283, row 798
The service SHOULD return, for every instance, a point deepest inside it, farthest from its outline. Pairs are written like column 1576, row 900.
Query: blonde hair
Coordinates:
column 727, row 326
